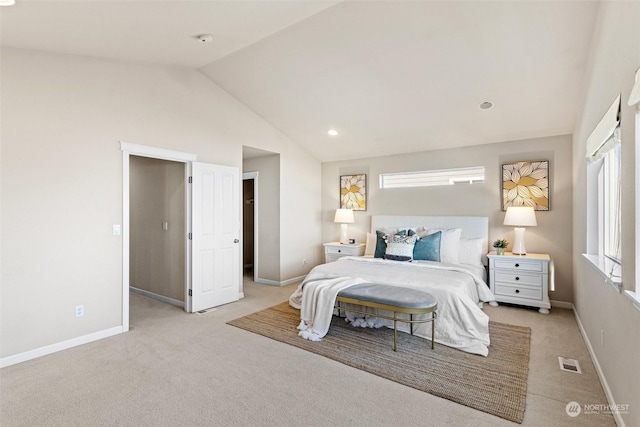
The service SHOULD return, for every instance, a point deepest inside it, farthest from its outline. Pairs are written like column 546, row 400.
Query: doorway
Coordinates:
column 157, row 246
column 211, row 235
column 250, row 224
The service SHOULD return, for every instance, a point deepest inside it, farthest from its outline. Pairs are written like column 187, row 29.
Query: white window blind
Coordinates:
column 602, row 138
column 471, row 175
column 609, row 206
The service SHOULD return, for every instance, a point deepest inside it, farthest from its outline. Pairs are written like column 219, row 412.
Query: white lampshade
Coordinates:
column 344, row 216
column 520, row 216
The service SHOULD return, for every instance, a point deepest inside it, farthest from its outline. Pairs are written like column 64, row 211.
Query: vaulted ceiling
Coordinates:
column 390, row 76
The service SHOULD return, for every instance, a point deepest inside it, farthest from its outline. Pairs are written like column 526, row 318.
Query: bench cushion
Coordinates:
column 390, row 295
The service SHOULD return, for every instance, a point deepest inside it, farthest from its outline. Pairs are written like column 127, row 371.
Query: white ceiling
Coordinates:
column 390, row 76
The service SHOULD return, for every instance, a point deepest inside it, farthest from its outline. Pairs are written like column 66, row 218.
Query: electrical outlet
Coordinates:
column 79, row 310
column 304, row 262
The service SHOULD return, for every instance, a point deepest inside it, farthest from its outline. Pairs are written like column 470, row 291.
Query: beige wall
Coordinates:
column 289, row 227
column 157, row 194
column 61, row 173
column 268, row 219
column 552, row 235
column 615, row 56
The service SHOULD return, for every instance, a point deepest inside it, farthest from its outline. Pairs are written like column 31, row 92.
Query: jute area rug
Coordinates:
column 496, row 384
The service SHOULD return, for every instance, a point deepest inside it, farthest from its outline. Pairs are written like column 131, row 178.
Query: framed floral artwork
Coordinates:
column 526, row 184
column 353, row 192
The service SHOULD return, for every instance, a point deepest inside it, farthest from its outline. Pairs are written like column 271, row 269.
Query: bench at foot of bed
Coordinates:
column 391, row 298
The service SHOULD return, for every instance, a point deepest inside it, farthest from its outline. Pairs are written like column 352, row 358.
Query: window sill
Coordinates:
column 611, row 271
column 635, row 297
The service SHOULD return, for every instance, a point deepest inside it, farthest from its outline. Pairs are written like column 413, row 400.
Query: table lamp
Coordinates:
column 344, row 217
column 520, row 217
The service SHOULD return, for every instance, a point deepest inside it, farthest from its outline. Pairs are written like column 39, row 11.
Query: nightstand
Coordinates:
column 520, row 279
column 335, row 250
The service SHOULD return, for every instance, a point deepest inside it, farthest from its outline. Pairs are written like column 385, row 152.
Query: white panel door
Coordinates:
column 215, row 263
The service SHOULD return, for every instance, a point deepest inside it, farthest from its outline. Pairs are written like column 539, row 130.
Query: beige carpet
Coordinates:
column 496, row 384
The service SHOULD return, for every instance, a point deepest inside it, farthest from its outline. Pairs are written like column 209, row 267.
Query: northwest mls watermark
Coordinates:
column 574, row 409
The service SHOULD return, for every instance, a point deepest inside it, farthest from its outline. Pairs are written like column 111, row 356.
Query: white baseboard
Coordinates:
column 267, row 282
column 293, row 280
column 562, row 304
column 276, row 283
column 53, row 348
column 603, row 380
column 158, row 297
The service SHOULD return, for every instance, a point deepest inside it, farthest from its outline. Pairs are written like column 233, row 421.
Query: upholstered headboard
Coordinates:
column 473, row 227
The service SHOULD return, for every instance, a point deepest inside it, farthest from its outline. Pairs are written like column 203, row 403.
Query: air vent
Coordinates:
column 570, row 365
column 206, row 311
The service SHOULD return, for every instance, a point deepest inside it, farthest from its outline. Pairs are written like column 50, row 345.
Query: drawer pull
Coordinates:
column 339, row 250
column 517, row 291
column 517, row 278
column 517, row 265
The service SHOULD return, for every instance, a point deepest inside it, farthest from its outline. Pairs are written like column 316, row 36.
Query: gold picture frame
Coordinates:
column 353, row 192
column 526, row 184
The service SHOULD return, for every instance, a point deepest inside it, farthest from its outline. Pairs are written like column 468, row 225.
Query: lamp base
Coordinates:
column 343, row 234
column 518, row 241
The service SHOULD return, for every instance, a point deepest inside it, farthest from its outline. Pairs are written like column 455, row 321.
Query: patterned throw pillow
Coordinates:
column 381, row 245
column 400, row 248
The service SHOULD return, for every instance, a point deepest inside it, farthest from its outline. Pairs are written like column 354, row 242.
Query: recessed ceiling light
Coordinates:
column 7, row 2
column 486, row 105
column 333, row 132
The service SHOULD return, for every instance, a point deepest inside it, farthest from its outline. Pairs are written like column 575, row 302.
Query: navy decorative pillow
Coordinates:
column 428, row 248
column 381, row 245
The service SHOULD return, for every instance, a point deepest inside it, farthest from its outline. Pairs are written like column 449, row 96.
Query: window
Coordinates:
column 609, row 208
column 634, row 294
column 634, row 100
column 604, row 185
column 472, row 175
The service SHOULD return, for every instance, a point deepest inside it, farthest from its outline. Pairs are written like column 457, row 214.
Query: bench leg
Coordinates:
column 395, row 333
column 433, row 329
column 411, row 323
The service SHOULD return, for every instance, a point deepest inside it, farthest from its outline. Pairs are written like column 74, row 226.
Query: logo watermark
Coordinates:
column 573, row 409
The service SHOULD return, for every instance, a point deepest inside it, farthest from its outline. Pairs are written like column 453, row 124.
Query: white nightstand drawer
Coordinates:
column 518, row 292
column 343, row 250
column 335, row 250
column 519, row 265
column 516, row 278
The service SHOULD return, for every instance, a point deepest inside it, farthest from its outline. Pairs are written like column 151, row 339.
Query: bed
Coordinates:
column 455, row 276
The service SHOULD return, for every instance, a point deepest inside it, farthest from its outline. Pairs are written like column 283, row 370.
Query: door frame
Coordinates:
column 130, row 149
column 254, row 177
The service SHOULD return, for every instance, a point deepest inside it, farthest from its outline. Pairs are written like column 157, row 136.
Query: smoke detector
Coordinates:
column 205, row 38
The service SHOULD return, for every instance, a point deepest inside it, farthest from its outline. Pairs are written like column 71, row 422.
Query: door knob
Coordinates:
column 235, row 240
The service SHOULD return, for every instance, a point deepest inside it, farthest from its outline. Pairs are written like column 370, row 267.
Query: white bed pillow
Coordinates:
column 449, row 244
column 370, row 247
column 470, row 251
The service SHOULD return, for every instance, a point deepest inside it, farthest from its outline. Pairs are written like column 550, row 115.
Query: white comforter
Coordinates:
column 457, row 288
